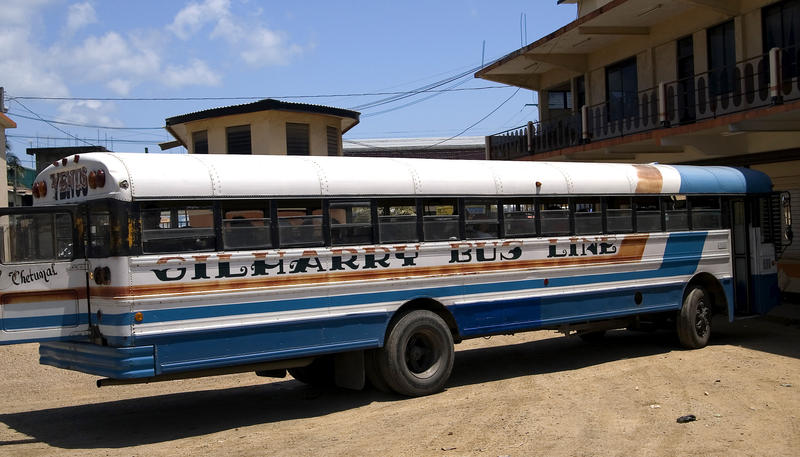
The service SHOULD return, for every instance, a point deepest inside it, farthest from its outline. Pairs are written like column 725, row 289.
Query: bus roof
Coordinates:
column 148, row 176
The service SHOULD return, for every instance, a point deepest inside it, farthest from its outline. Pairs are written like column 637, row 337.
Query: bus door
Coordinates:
column 755, row 237
column 43, row 275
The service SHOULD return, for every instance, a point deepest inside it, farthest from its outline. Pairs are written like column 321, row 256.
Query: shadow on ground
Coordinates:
column 124, row 423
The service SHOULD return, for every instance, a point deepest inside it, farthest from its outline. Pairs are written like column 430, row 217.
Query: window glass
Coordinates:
column 246, row 225
column 721, row 58
column 519, row 217
column 622, row 90
column 36, row 237
column 108, row 229
column 333, row 140
column 177, row 228
column 300, row 223
column 676, row 212
column 239, row 139
column 297, row 139
column 588, row 216
column 619, row 215
column 200, row 142
column 706, row 213
column 481, row 219
column 648, row 214
column 351, row 222
column 397, row 221
column 554, row 213
column 440, row 221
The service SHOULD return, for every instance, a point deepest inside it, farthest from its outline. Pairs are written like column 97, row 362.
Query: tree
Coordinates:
column 14, row 165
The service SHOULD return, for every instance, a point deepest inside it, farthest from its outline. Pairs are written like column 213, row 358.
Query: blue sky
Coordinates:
column 95, row 50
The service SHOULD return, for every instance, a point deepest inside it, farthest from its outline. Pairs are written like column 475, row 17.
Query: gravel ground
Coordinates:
column 524, row 395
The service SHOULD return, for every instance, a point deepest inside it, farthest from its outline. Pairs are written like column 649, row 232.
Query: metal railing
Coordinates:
column 760, row 81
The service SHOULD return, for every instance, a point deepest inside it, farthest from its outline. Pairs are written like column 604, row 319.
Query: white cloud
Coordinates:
column 257, row 45
column 194, row 16
column 265, row 47
column 79, row 16
column 196, row 73
column 89, row 112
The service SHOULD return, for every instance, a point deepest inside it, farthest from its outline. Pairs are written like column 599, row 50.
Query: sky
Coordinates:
column 99, row 72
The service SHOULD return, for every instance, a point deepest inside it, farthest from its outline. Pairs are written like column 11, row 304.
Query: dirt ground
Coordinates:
column 533, row 394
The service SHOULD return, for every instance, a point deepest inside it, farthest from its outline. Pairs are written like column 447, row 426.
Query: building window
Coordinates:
column 622, row 89
column 239, row 139
column 721, row 58
column 200, row 142
column 559, row 99
column 297, row 143
column 333, row 141
column 580, row 91
column 781, row 29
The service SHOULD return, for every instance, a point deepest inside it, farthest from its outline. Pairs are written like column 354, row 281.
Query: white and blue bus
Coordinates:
column 140, row 268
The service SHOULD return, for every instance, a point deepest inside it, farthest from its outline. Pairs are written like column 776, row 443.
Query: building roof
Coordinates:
column 266, row 105
column 157, row 176
column 66, row 150
column 6, row 122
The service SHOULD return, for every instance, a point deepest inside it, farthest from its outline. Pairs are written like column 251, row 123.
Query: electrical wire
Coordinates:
column 52, row 125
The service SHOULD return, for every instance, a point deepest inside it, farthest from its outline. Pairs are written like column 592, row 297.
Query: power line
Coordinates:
column 76, row 124
column 52, row 125
column 74, row 138
column 281, row 97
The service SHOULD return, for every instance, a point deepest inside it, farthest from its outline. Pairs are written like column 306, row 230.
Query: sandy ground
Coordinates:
column 534, row 394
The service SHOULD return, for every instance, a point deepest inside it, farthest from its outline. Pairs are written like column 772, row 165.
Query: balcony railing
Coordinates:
column 757, row 82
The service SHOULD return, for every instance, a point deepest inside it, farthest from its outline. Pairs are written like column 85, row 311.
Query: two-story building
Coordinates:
column 5, row 123
column 713, row 82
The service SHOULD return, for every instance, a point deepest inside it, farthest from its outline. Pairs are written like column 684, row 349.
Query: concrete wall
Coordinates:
column 267, row 131
column 656, row 52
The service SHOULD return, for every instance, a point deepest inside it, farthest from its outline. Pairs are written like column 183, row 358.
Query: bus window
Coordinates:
column 481, row 219
column 648, row 214
column 619, row 215
column 706, row 213
column 300, row 223
column 554, row 213
column 397, row 221
column 37, row 237
column 676, row 212
column 440, row 221
column 177, row 228
column 351, row 222
column 588, row 216
column 108, row 229
column 246, row 225
column 519, row 217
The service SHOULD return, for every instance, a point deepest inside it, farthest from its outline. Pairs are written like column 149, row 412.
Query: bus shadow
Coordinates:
column 162, row 418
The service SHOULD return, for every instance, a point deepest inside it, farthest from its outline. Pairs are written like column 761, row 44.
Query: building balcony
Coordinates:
column 745, row 88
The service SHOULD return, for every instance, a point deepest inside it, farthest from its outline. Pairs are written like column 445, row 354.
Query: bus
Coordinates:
column 355, row 271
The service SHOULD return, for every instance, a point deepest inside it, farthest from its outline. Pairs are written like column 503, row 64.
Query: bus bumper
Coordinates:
column 111, row 362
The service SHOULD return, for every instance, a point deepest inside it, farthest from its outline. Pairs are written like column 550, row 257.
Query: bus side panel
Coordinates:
column 43, row 302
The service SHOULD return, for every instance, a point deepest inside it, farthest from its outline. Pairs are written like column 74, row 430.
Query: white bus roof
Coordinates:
column 149, row 176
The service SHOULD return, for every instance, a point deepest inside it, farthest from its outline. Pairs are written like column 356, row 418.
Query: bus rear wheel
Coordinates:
column 417, row 357
column 694, row 319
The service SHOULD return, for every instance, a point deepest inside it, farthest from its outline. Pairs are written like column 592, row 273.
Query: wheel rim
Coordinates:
column 702, row 320
column 422, row 354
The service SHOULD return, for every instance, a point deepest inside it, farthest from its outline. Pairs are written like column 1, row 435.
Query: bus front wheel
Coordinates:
column 694, row 319
column 417, row 357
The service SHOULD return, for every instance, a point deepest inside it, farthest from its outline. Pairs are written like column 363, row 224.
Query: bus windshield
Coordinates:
column 36, row 237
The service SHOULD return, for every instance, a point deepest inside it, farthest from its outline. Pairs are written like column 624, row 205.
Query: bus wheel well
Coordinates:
column 712, row 286
column 430, row 305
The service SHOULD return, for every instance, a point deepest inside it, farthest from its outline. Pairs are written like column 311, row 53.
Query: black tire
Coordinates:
column 593, row 337
column 694, row 319
column 417, row 356
column 319, row 373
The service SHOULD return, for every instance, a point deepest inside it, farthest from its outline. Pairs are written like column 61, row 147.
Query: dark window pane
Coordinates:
column 397, row 221
column 297, row 139
column 588, row 216
column 648, row 214
column 333, row 141
column 246, row 225
column 519, row 217
column 706, row 213
column 676, row 213
column 622, row 90
column 239, row 139
column 481, row 219
column 351, row 222
column 300, row 223
column 440, row 220
column 200, row 142
column 619, row 215
column 555, row 216
column 177, row 228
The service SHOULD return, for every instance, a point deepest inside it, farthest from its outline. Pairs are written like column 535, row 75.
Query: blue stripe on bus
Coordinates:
column 681, row 257
column 715, row 180
column 44, row 322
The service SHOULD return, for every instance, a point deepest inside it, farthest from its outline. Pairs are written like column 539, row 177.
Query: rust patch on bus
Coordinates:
column 631, row 250
column 42, row 296
column 650, row 179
